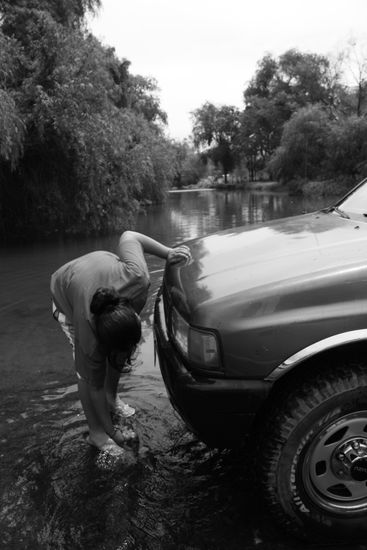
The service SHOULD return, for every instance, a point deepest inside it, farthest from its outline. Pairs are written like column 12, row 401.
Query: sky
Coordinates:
column 208, row 50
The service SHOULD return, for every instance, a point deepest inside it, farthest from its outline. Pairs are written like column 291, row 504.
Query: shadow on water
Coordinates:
column 168, row 490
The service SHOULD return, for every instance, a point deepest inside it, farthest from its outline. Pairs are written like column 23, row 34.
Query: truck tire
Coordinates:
column 312, row 459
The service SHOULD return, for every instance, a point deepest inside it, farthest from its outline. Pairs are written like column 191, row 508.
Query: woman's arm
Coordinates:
column 98, row 415
column 95, row 408
column 151, row 246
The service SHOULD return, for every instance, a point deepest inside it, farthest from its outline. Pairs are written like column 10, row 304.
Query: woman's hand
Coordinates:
column 123, row 435
column 180, row 254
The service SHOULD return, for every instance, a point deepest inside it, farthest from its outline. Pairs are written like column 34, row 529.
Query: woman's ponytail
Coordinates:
column 102, row 299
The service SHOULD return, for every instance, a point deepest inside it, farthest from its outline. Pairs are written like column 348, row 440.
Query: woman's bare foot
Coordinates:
column 120, row 408
column 103, row 443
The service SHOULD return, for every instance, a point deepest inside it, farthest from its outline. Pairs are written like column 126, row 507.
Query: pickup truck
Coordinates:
column 262, row 337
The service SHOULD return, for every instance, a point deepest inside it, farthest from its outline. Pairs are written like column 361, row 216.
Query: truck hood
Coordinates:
column 262, row 265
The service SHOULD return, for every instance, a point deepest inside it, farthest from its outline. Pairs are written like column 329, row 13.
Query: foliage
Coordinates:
column 261, row 129
column 218, row 128
column 11, row 130
column 142, row 98
column 189, row 166
column 327, row 138
column 280, row 88
column 65, row 12
column 302, row 150
column 354, row 60
column 300, row 120
column 81, row 138
column 347, row 147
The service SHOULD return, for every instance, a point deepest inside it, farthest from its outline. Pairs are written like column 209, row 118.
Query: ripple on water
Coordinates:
column 59, row 393
column 170, row 491
column 166, row 491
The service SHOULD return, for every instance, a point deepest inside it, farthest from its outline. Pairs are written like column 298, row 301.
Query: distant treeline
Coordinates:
column 300, row 121
column 82, row 139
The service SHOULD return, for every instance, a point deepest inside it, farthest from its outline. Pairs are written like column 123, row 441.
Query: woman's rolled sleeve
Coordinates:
column 132, row 255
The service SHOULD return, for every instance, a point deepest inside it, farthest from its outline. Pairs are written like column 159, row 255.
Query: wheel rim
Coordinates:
column 334, row 471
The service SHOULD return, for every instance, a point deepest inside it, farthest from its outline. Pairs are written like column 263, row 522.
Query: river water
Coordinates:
column 168, row 491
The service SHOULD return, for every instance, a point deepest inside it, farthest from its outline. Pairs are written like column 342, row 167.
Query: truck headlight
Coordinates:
column 199, row 346
column 180, row 332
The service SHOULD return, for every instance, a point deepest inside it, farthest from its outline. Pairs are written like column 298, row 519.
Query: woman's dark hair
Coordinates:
column 117, row 324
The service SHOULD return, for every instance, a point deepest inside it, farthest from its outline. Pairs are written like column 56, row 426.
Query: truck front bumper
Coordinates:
column 219, row 411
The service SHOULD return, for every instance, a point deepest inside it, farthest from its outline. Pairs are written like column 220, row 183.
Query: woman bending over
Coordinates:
column 97, row 298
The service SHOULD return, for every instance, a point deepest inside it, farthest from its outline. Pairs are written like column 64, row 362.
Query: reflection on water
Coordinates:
column 198, row 213
column 168, row 491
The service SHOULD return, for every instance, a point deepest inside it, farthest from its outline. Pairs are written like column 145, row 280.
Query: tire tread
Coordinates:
column 293, row 402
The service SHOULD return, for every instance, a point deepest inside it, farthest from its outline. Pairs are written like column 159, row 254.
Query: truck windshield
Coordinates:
column 355, row 204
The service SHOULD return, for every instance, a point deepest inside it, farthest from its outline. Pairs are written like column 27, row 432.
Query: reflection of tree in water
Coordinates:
column 188, row 215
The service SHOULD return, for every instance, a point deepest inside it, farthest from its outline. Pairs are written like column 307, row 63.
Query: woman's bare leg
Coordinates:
column 111, row 386
column 114, row 402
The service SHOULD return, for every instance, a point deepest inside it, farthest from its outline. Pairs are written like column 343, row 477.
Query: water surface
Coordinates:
column 169, row 491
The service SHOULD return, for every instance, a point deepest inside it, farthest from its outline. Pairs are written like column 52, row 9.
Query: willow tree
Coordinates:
column 302, row 153
column 82, row 139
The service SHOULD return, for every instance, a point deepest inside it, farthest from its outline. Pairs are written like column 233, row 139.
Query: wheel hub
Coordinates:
column 335, row 466
column 359, row 469
column 350, row 459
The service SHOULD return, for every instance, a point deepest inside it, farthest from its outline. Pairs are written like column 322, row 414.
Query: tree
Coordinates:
column 217, row 128
column 262, row 83
column 12, row 128
column 279, row 88
column 189, row 164
column 347, row 147
column 68, row 13
column 355, row 63
column 261, row 128
column 303, row 146
column 142, row 98
column 82, row 143
column 305, row 78
column 301, row 78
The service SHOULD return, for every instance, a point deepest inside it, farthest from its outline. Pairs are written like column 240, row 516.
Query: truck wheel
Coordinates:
column 312, row 462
